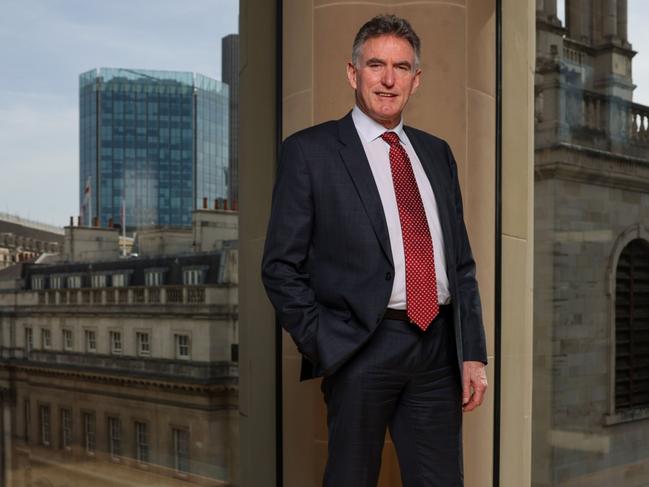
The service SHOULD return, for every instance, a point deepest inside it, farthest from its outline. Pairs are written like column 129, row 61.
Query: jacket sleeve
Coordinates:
column 473, row 334
column 286, row 250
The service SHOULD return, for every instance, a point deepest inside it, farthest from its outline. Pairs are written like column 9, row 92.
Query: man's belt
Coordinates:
column 402, row 314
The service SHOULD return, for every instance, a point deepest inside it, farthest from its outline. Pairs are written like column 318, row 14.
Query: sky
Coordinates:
column 46, row 44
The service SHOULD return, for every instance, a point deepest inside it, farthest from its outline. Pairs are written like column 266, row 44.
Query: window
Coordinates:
column 141, row 442
column 181, row 449
column 153, row 278
column 89, row 432
column 46, row 339
column 91, row 341
column 29, row 340
column 114, row 436
column 116, row 342
column 143, row 343
column 45, row 425
column 632, row 327
column 67, row 340
column 74, row 282
column 28, row 419
column 120, row 280
column 38, row 282
column 182, row 346
column 66, row 428
column 98, row 280
column 56, row 282
column 192, row 277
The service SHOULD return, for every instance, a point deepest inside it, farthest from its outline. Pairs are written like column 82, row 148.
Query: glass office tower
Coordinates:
column 153, row 142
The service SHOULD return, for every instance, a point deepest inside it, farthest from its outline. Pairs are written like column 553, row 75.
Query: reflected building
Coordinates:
column 23, row 240
column 230, row 75
column 591, row 287
column 124, row 371
column 153, row 142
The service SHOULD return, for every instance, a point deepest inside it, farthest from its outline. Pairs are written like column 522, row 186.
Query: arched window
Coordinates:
column 632, row 327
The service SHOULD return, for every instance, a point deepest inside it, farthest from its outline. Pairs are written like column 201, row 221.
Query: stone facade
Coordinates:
column 591, row 199
column 123, row 380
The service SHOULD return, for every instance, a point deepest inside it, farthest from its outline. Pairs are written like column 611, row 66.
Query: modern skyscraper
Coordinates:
column 230, row 75
column 152, row 142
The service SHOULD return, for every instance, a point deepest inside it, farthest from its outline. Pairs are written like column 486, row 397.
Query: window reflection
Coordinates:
column 122, row 370
column 591, row 288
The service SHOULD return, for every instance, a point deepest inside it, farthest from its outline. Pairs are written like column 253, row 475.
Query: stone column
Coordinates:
column 547, row 8
column 622, row 19
column 579, row 17
column 609, row 19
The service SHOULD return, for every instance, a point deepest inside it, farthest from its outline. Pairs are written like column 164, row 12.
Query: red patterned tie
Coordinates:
column 421, row 284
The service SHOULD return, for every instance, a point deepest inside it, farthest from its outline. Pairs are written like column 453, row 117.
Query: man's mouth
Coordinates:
column 383, row 94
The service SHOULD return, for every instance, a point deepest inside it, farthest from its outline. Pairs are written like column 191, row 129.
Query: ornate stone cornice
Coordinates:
column 593, row 166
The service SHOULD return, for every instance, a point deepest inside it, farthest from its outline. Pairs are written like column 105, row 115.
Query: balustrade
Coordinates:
column 189, row 295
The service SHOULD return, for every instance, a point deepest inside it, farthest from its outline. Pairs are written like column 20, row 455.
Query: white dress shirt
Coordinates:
column 378, row 155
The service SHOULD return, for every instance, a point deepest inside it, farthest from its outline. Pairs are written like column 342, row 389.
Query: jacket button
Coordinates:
column 388, row 276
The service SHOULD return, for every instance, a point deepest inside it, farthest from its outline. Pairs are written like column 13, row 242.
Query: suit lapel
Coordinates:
column 353, row 155
column 439, row 181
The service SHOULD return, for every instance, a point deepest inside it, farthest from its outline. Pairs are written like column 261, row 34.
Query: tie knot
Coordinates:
column 391, row 138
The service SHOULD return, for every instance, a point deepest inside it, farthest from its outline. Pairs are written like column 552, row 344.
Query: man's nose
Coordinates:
column 388, row 77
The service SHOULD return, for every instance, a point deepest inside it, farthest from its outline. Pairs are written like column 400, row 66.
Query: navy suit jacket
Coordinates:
column 327, row 264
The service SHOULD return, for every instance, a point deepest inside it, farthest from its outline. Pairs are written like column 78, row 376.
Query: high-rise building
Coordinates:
column 152, row 142
column 230, row 75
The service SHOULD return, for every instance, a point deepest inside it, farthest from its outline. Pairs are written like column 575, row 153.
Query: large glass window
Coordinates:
column 125, row 359
column 591, row 272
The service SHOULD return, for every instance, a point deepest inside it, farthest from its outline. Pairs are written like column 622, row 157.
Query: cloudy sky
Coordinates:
column 45, row 44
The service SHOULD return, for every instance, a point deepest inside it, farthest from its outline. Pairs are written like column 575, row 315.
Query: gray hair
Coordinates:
column 386, row 24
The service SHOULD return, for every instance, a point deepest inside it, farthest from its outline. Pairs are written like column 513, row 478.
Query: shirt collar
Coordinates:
column 369, row 129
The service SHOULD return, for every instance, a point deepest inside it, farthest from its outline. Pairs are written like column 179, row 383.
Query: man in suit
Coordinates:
column 368, row 265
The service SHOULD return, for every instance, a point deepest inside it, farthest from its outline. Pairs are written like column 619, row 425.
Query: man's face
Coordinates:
column 385, row 78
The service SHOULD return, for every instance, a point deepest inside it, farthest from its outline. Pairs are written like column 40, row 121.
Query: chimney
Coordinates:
column 235, row 205
column 71, row 221
column 225, row 204
column 110, row 222
column 79, row 221
column 217, row 204
column 204, row 203
column 95, row 221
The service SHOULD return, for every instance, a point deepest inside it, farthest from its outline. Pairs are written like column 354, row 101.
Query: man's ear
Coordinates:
column 351, row 74
column 415, row 81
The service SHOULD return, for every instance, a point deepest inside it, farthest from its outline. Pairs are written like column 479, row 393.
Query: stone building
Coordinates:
column 23, row 240
column 591, row 285
column 123, row 371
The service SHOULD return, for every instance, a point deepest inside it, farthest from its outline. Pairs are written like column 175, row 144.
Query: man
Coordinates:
column 368, row 265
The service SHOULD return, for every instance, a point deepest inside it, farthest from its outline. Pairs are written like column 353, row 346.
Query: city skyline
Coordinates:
column 47, row 44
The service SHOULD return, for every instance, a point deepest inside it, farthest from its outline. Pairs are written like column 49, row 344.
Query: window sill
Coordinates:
column 627, row 416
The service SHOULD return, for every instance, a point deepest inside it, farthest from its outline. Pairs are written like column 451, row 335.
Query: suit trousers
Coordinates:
column 405, row 379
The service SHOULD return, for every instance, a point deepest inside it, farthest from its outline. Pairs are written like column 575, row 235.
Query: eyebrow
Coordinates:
column 376, row 60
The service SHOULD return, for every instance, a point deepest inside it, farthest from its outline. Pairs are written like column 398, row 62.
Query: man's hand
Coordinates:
column 474, row 385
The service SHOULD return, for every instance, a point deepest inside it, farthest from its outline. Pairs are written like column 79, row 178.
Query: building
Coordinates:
column 230, row 75
column 478, row 60
column 153, row 142
column 591, row 334
column 23, row 240
column 123, row 371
